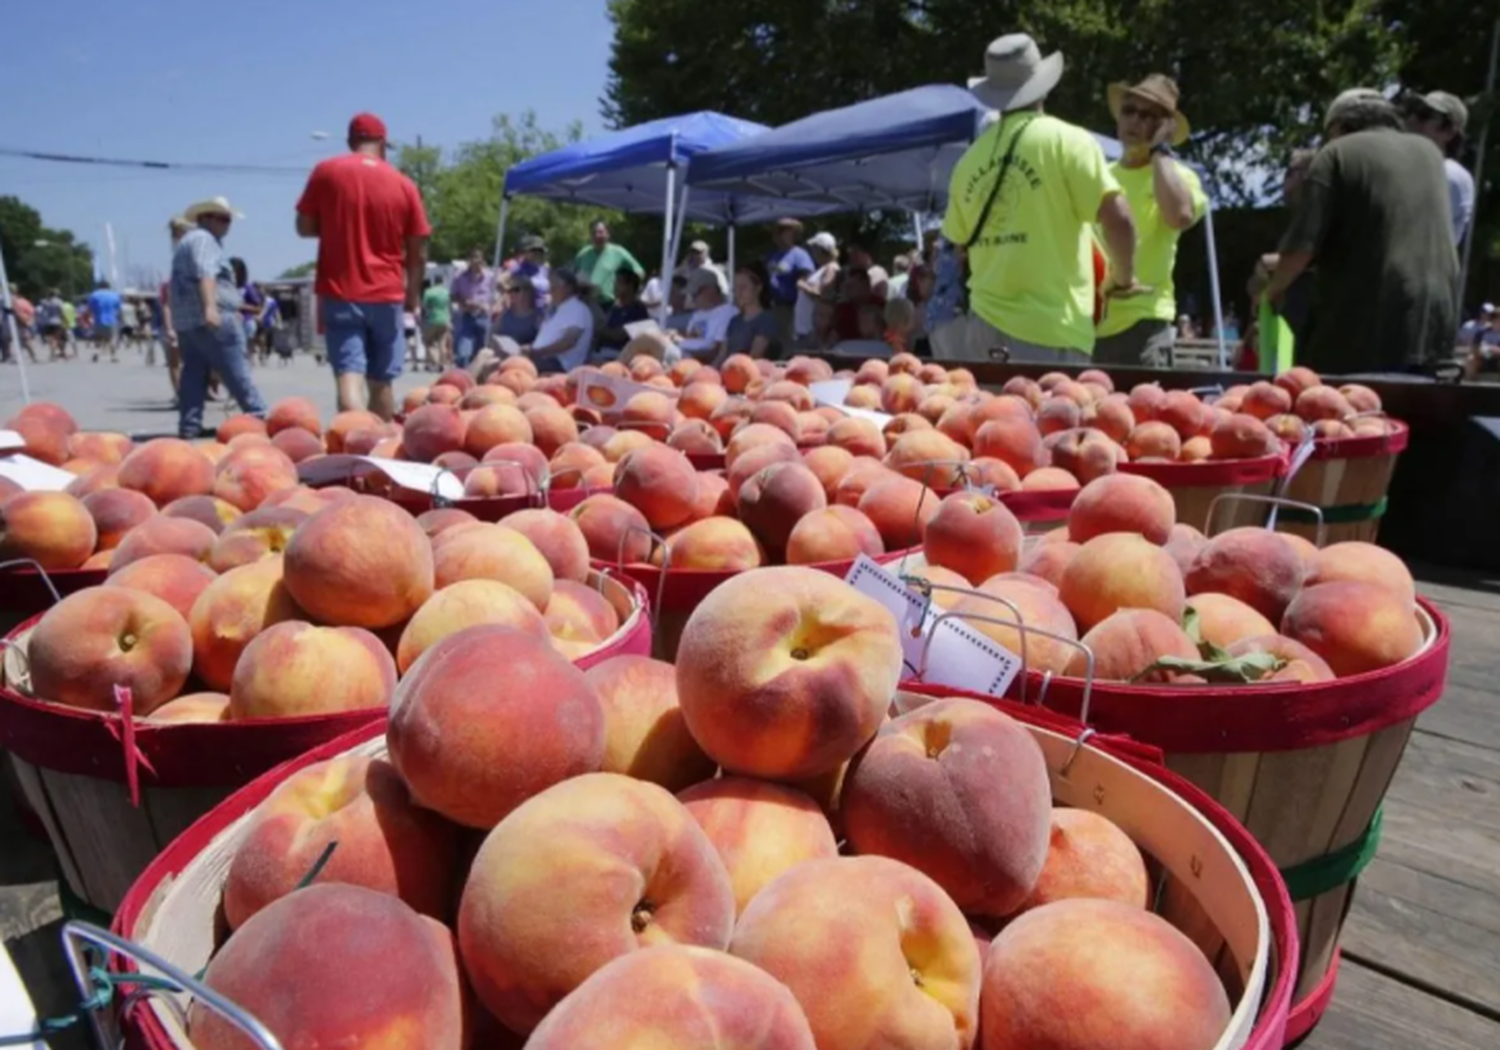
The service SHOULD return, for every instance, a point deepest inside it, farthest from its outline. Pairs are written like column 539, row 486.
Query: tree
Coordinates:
column 38, row 258
column 306, row 269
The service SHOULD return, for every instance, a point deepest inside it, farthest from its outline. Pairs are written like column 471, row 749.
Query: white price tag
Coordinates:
column 33, row 475
column 420, row 477
column 10, row 440
column 609, row 393
column 954, row 654
column 831, row 391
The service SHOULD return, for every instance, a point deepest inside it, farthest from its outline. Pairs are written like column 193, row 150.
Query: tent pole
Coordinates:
column 500, row 229
column 916, row 229
column 732, row 228
column 666, row 231
column 677, row 232
column 15, row 334
column 1213, row 284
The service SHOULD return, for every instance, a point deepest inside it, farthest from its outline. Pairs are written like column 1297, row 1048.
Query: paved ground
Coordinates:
column 137, row 399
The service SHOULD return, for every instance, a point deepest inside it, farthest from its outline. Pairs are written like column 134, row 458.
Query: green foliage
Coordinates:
column 306, row 269
column 38, row 258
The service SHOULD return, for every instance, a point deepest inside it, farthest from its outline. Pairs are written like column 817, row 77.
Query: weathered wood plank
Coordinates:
column 1451, row 776
column 1374, row 1012
column 1466, row 712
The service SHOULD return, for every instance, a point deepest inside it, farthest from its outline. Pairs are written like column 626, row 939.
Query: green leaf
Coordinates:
column 1251, row 667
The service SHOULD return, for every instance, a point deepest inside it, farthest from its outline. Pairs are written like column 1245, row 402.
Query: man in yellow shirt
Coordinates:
column 1166, row 198
column 1023, row 201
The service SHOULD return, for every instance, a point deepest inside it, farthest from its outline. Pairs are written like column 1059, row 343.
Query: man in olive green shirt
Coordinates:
column 600, row 261
column 437, row 320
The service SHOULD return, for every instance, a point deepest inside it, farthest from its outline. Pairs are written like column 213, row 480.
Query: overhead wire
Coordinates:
column 153, row 165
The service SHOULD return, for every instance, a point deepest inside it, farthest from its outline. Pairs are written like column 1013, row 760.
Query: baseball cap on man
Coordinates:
column 367, row 127
column 1448, row 106
column 1346, row 101
column 532, row 243
column 824, row 241
column 699, row 246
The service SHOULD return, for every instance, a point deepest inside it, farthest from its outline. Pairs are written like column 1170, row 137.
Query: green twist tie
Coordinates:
column 1346, row 514
column 1315, row 877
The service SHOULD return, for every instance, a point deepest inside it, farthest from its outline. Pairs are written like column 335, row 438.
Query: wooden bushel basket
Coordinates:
column 1347, row 479
column 1303, row 767
column 25, row 590
column 1195, row 486
column 73, row 769
column 1213, row 882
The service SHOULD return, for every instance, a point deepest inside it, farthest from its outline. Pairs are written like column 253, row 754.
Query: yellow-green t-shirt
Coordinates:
column 1031, row 271
column 1155, row 249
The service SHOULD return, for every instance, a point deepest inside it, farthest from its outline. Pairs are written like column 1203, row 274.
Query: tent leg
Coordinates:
column 732, row 229
column 1213, row 286
column 677, row 234
column 666, row 231
column 500, row 229
column 916, row 229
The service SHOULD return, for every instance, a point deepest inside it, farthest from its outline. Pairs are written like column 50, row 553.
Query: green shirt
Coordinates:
column 437, row 306
column 599, row 267
column 1031, row 269
column 1155, row 248
column 1374, row 213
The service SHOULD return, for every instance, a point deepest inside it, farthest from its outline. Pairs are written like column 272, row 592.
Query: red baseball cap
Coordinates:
column 367, row 127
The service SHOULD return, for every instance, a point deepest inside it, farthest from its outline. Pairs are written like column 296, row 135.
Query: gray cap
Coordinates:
column 532, row 243
column 1347, row 100
column 1449, row 106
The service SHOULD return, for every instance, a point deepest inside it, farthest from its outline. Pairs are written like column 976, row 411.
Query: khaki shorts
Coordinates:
column 985, row 342
column 435, row 333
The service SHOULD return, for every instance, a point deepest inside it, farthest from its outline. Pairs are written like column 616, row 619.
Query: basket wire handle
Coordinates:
column 438, row 499
column 925, row 587
column 914, row 540
column 656, row 539
column 33, row 563
column 75, row 932
column 1274, row 502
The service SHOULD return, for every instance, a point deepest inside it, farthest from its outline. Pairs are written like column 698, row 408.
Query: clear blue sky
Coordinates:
column 170, row 81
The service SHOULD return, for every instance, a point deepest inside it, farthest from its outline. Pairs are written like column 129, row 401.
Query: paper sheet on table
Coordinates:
column 10, row 439
column 646, row 327
column 420, row 477
column 609, row 393
column 506, row 346
column 33, row 475
column 832, row 392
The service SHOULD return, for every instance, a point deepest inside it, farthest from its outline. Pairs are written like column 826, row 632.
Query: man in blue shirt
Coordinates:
column 787, row 264
column 104, row 305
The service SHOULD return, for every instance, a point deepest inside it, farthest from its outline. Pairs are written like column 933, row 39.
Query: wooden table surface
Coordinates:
column 1421, row 964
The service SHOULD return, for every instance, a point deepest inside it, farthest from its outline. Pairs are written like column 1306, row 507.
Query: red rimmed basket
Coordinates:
column 1304, row 768
column 1214, row 883
column 1040, row 511
column 1195, row 486
column 25, row 592
column 1348, row 480
column 73, row 770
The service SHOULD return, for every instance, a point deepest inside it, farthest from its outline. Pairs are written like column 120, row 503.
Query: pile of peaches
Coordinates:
column 742, row 850
column 235, row 593
column 1158, row 602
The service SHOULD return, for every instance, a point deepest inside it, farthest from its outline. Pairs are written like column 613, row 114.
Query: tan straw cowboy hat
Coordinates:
column 1015, row 73
column 212, row 206
column 1160, row 91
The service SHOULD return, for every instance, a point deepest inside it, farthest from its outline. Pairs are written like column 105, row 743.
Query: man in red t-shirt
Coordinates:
column 372, row 257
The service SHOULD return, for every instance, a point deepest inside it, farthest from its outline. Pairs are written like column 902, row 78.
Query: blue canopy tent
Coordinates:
column 638, row 169
column 893, row 152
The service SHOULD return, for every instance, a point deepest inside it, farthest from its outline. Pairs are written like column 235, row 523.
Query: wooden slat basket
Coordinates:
column 1347, row 480
column 1195, row 486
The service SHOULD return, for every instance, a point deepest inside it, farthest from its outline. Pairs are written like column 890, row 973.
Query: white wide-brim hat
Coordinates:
column 212, row 206
column 1015, row 73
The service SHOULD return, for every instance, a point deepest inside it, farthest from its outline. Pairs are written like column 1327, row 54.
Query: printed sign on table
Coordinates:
column 420, row 477
column 832, row 392
column 32, row 474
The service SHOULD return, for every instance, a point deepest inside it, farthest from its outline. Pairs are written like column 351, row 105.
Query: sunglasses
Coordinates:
column 1130, row 109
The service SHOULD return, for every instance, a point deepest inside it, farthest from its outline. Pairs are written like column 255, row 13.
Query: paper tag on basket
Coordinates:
column 609, row 393
column 832, row 392
column 936, row 649
column 33, row 475
column 1300, row 455
column 420, row 477
column 10, row 440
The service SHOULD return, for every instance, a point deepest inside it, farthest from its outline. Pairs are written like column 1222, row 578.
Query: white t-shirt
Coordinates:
column 1460, row 197
column 803, row 312
column 571, row 313
column 707, row 328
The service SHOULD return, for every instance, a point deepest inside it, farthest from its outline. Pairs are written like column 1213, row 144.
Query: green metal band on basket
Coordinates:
column 1313, row 878
column 75, row 907
column 1347, row 514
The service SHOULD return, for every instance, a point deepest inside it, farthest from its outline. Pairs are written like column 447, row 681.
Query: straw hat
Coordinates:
column 1015, row 73
column 1158, row 90
column 212, row 206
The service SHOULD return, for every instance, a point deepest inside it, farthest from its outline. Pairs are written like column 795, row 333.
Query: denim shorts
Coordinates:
column 364, row 338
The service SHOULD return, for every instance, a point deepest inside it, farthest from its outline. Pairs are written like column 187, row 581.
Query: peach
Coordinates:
column 53, row 529
column 473, row 752
column 925, row 792
column 483, row 396
column 1146, row 401
column 974, row 535
column 1355, row 560
column 434, row 429
column 1304, row 548
column 863, row 474
column 583, row 873
column 174, row 578
column 714, row 498
column 760, row 830
column 98, row 639
column 1120, row 570
column 900, row 509
column 1112, row 416
column 1122, row 503
column 1036, row 605
column 256, row 535
column 648, row 413
column 579, row 618
column 345, row 424
column 103, row 447
column 729, row 414
column 1223, row 620
column 1057, row 413
column 1264, row 400
column 1183, row 544
column 1353, row 625
column 1183, row 412
column 832, row 534
column 1015, row 440
column 784, row 673
column 1049, row 479
column 551, row 427
column 456, row 461
column 437, row 521
column 900, row 393
column 294, row 412
column 1088, row 856
column 1258, row 567
column 298, row 444
column 366, row 440
column 859, row 437
column 246, row 476
column 873, row 371
column 216, row 451
column 493, row 552
column 500, row 480
column 193, row 709
column 701, row 400
column 1147, row 986
column 1242, row 437
column 1295, row 661
column 994, row 474
column 676, row 997
column 904, row 424
column 49, row 412
column 916, row 980
column 568, row 464
column 613, row 529
column 232, row 610
column 557, row 538
column 163, row 535
column 1195, row 450
column 712, row 544
column 645, row 734
column 43, row 440
column 935, row 406
column 755, row 460
column 361, row 562
column 95, row 480
column 777, row 414
column 1153, row 440
column 167, row 469
column 384, row 842
column 1127, row 644
column 695, row 435
column 1296, row 380
column 465, row 604
column 414, row 399
column 929, row 457
column 276, row 966
column 1331, row 430
column 1048, row 560
column 1322, row 402
column 659, row 482
column 829, row 464
column 293, row 668
column 625, row 442
column 753, row 435
column 864, row 395
column 1360, row 398
column 772, row 501
column 1084, row 453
